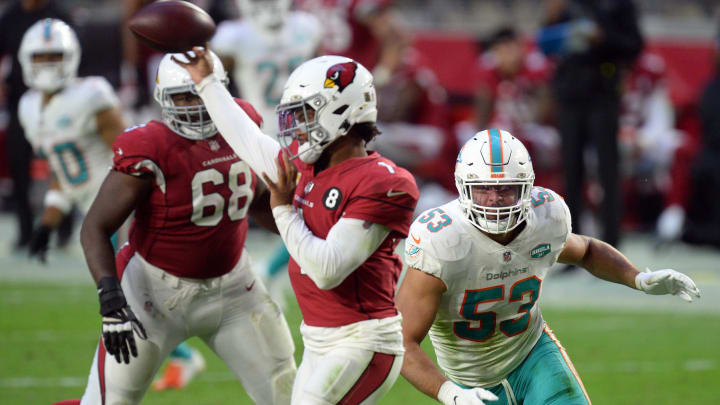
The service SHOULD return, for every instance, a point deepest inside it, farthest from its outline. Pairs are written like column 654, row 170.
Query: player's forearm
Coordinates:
column 98, row 250
column 607, row 263
column 420, row 370
column 241, row 133
column 328, row 261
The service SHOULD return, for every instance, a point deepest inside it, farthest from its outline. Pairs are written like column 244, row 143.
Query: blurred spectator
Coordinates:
column 594, row 42
column 414, row 121
column 648, row 140
column 512, row 93
column 364, row 30
column 17, row 19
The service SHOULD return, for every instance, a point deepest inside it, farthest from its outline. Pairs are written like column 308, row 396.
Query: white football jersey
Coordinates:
column 263, row 62
column 488, row 319
column 65, row 133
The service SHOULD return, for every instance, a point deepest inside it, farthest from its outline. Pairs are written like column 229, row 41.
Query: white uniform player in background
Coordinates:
column 263, row 48
column 476, row 269
column 69, row 121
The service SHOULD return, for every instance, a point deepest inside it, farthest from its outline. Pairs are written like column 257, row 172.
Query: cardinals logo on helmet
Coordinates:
column 340, row 75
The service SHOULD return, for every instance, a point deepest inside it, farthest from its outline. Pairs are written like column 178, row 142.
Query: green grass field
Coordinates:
column 48, row 332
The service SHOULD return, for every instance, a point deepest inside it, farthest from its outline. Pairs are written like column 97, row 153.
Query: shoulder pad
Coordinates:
column 448, row 244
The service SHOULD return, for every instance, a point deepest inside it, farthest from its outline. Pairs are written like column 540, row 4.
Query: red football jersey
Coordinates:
column 370, row 188
column 194, row 223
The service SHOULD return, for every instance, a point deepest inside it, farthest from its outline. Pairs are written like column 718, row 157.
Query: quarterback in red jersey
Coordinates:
column 341, row 211
column 185, row 271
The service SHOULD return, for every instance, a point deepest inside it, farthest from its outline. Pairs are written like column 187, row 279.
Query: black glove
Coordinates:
column 118, row 322
column 39, row 242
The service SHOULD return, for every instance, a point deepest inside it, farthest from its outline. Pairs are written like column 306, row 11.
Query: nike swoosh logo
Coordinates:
column 391, row 193
column 250, row 287
column 416, row 240
column 455, row 399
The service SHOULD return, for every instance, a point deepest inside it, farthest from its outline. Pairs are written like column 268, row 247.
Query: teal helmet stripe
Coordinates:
column 48, row 24
column 496, row 152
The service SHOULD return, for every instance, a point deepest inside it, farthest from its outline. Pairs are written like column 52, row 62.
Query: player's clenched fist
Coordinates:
column 118, row 322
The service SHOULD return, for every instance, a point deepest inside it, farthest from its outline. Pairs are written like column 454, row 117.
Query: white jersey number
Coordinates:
column 208, row 208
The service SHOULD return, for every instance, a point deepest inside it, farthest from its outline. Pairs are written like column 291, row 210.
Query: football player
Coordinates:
column 341, row 215
column 263, row 47
column 476, row 268
column 70, row 121
column 185, row 271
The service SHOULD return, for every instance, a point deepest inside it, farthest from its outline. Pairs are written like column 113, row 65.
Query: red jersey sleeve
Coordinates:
column 135, row 150
column 388, row 200
column 251, row 111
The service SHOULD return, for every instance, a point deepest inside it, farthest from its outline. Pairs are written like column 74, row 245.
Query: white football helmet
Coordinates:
column 192, row 122
column 266, row 15
column 49, row 36
column 323, row 98
column 494, row 158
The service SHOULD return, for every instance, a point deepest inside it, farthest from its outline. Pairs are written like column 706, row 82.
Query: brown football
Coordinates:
column 172, row 26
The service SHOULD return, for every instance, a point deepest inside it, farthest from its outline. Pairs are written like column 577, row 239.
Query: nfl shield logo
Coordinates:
column 214, row 145
column 506, row 256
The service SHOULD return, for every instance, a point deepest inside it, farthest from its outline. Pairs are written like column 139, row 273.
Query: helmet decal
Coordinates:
column 340, row 75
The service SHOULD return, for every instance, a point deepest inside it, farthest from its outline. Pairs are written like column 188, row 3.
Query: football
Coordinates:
column 172, row 26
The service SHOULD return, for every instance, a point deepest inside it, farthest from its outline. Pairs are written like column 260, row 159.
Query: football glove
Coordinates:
column 451, row 394
column 39, row 242
column 666, row 281
column 118, row 321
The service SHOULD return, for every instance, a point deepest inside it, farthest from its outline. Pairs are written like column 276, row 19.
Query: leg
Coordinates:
column 571, row 125
column 19, row 157
column 111, row 382
column 345, row 376
column 254, row 340
column 184, row 364
column 547, row 376
column 603, row 127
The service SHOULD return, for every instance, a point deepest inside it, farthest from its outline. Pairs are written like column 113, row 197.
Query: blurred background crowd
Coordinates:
column 617, row 101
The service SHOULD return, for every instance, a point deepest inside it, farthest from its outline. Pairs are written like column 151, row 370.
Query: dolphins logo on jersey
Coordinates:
column 340, row 75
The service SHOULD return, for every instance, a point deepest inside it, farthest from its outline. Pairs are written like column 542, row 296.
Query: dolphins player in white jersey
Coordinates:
column 70, row 121
column 475, row 270
column 263, row 47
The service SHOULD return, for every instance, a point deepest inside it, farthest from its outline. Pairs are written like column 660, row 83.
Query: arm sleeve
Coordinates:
column 328, row 261
column 240, row 132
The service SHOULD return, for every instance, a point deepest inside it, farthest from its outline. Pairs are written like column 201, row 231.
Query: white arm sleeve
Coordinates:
column 328, row 261
column 251, row 145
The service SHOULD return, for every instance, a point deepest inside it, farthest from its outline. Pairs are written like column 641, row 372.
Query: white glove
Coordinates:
column 451, row 394
column 666, row 281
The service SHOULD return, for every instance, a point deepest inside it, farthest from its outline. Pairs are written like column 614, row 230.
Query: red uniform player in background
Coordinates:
column 185, row 271
column 341, row 217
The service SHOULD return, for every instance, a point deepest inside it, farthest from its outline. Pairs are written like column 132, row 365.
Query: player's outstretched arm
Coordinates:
column 418, row 300
column 110, row 124
column 240, row 132
column 608, row 263
column 117, row 197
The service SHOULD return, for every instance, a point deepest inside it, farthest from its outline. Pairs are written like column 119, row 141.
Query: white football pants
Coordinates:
column 346, row 376
column 233, row 314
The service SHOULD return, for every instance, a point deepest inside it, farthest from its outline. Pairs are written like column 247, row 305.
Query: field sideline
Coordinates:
column 628, row 348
